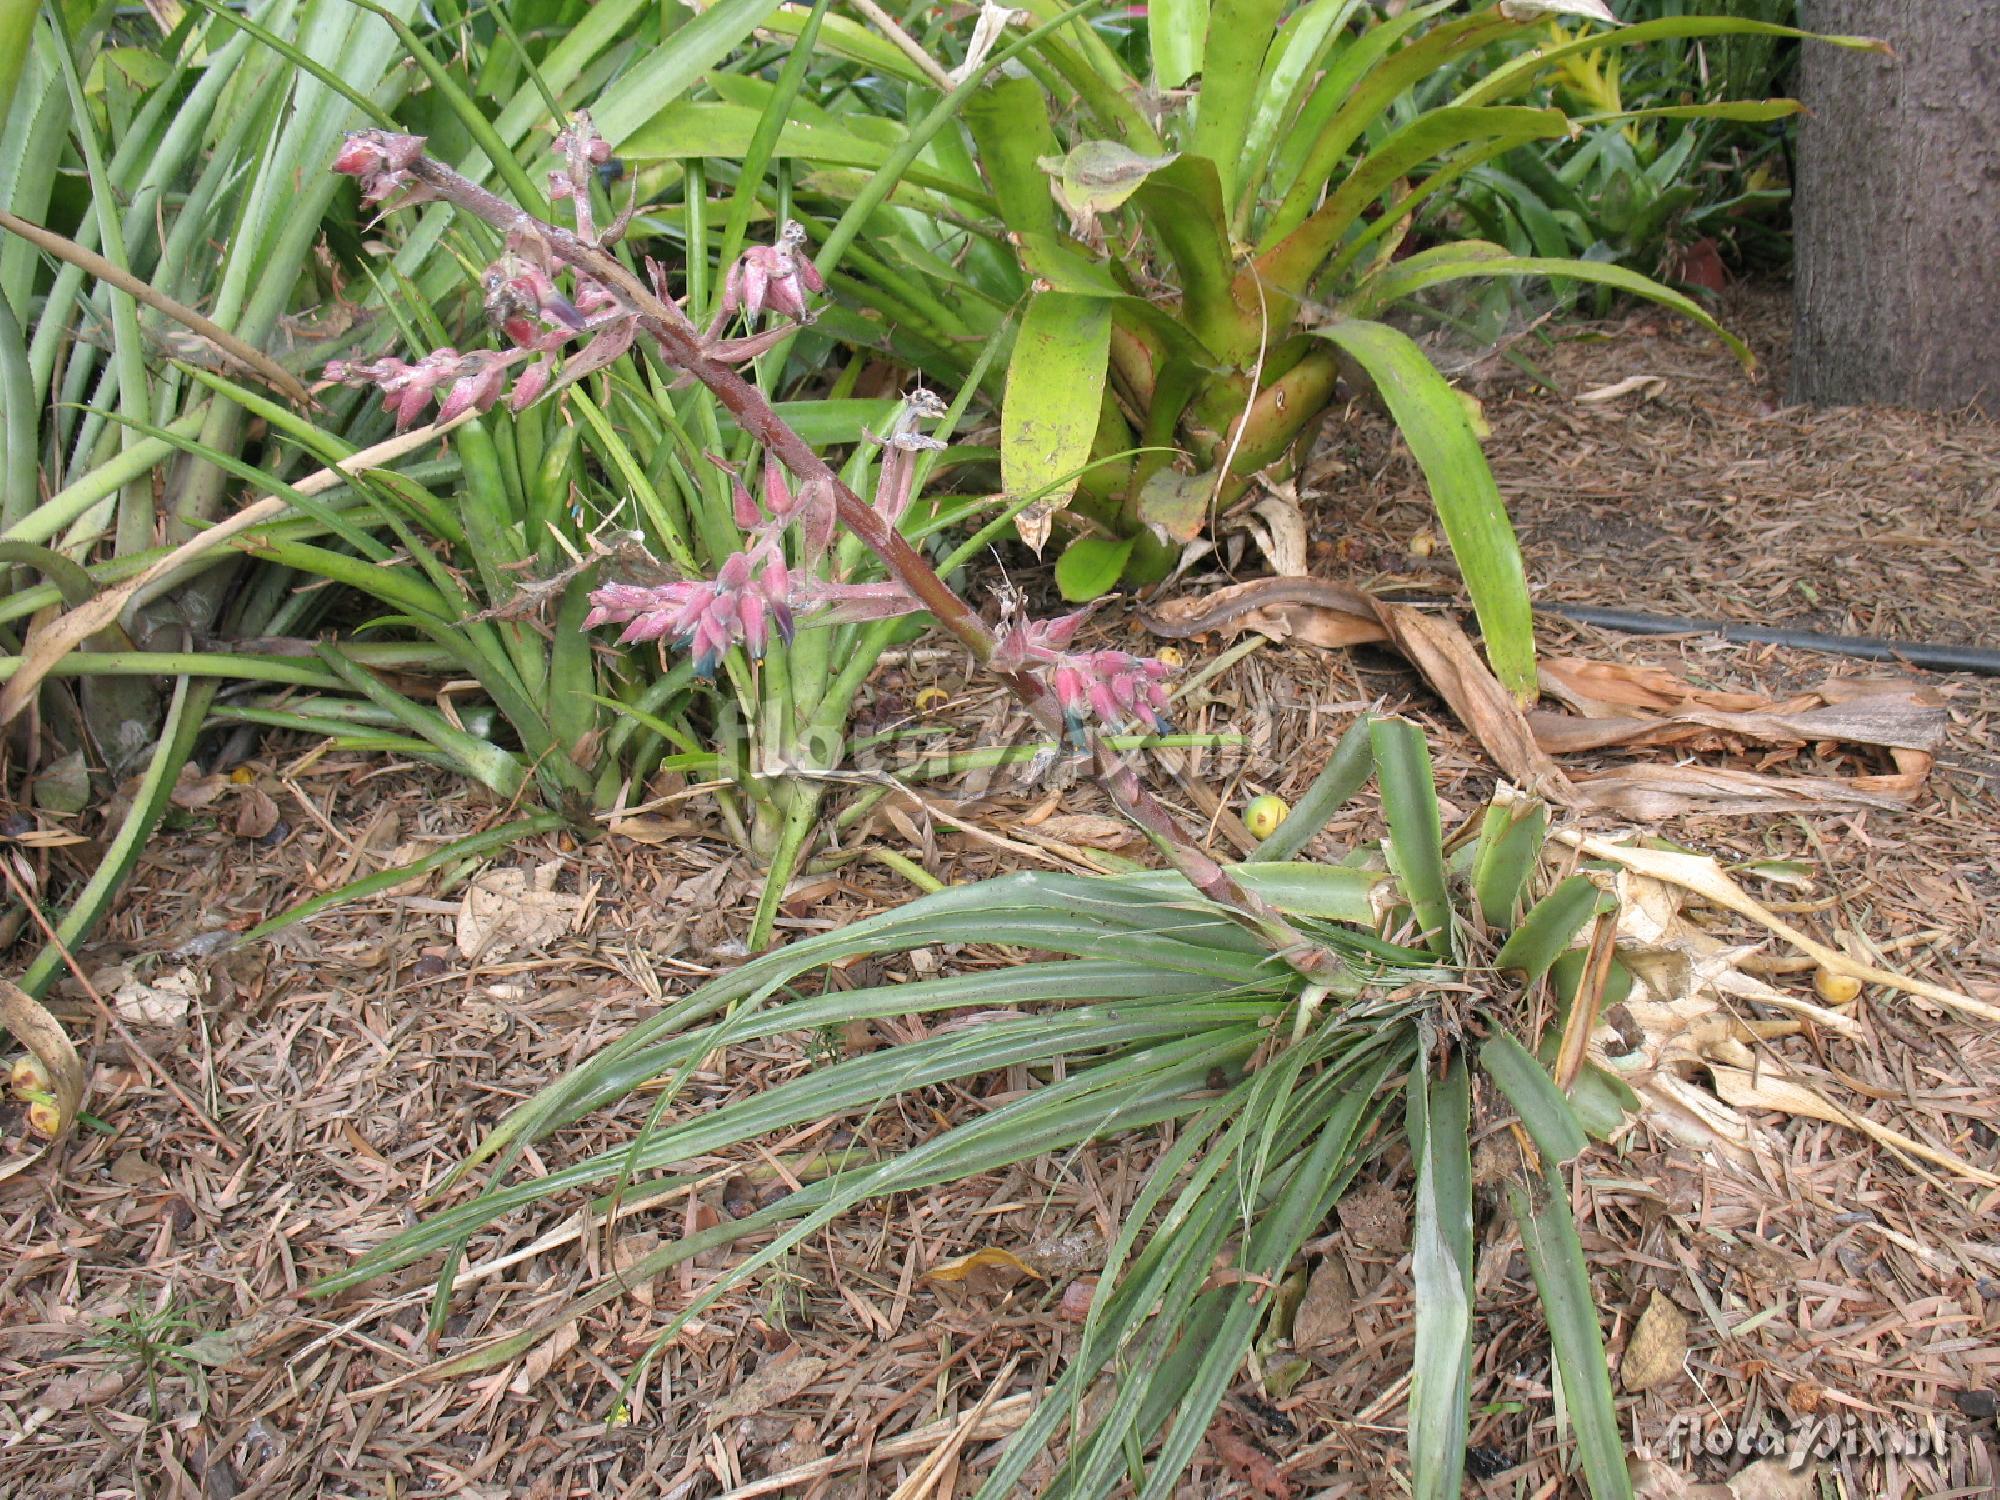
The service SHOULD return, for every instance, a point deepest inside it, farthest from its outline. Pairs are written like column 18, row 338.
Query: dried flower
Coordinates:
column 774, row 276
column 896, row 484
column 523, row 303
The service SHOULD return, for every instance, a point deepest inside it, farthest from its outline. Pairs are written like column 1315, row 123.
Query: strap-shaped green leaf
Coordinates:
column 1434, row 423
column 1441, row 1263
column 1416, row 836
column 1545, row 1114
column 1240, row 33
column 1055, row 386
column 1555, row 1256
column 1429, row 268
column 1548, row 930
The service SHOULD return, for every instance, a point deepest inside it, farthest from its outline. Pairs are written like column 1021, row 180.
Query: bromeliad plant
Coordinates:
column 135, row 148
column 1421, row 1022
column 1210, row 210
column 789, row 615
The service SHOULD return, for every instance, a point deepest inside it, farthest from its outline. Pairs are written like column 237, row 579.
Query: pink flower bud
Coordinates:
column 530, row 384
column 743, row 505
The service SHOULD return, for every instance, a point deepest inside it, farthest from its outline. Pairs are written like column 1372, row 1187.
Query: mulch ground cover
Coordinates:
column 156, row 1333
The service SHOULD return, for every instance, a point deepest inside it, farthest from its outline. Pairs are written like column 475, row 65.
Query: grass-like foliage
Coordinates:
column 1158, row 1007
column 1654, row 179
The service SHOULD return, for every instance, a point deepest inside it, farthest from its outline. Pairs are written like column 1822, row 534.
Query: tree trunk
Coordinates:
column 1897, row 207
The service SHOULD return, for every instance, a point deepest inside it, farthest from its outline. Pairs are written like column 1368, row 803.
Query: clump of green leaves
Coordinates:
column 156, row 1341
column 1214, row 213
column 1657, row 186
column 1282, row 1086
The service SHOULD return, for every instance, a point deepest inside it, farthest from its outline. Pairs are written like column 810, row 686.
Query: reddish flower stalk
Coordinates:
column 686, row 348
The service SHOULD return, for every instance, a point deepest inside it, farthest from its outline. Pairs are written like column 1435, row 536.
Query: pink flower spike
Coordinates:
column 776, row 276
column 1071, row 692
column 753, row 610
column 1056, row 634
column 380, row 160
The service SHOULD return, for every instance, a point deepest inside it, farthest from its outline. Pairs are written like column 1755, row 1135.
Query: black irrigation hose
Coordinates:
column 1934, row 656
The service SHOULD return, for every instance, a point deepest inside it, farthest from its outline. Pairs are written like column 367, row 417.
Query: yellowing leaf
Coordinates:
column 1098, row 176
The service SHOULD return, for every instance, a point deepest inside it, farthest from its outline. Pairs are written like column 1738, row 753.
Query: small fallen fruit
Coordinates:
column 1171, row 655
column 1835, row 989
column 45, row 1119
column 930, row 698
column 1264, row 814
column 28, row 1076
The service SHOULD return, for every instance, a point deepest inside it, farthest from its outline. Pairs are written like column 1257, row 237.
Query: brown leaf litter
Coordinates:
column 1613, row 706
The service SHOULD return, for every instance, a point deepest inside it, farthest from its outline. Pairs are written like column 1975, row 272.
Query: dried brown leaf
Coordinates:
column 256, row 813
column 1325, row 1316
column 1616, row 706
column 775, row 1382
column 1252, row 1464
column 542, row 1359
column 508, row 911
column 1657, row 1348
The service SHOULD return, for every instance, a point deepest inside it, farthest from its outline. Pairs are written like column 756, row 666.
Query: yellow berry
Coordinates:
column 1171, row 655
column 28, row 1076
column 1263, row 816
column 1835, row 989
column 930, row 698
column 45, row 1119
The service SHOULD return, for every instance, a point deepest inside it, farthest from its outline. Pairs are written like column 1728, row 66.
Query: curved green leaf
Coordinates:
column 1433, row 422
column 1520, row 74
column 1545, row 1114
column 1416, row 838
column 1090, row 566
column 1547, row 931
column 1178, row 29
column 692, row 129
column 1509, row 844
column 1430, row 268
column 1240, row 33
column 1441, row 1263
column 1555, row 1257
column 1293, row 261
column 1009, row 121
column 1291, row 71
column 1359, row 92
column 663, row 74
column 1346, row 770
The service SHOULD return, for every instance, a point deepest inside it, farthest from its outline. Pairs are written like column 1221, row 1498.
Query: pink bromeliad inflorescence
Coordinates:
column 750, row 595
column 1113, row 687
